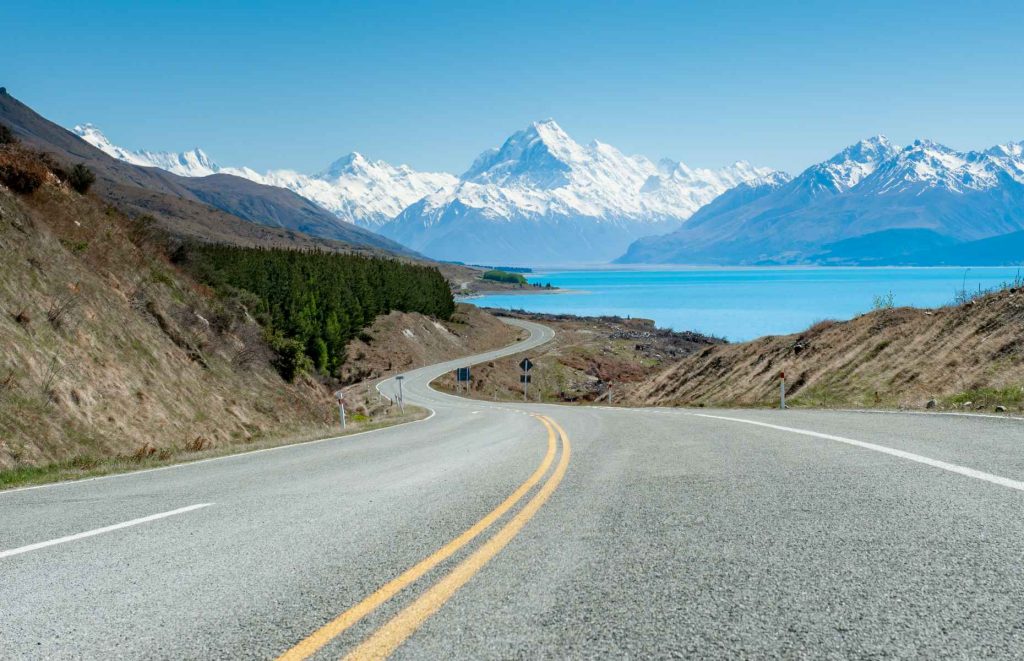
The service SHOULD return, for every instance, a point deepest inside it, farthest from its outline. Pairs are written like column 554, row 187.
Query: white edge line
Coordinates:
column 99, row 531
column 902, row 454
column 234, row 455
column 959, row 414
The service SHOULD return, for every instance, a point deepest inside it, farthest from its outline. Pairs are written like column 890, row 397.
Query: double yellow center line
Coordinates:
column 392, row 634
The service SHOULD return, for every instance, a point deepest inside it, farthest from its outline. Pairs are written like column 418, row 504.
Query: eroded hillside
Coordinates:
column 963, row 357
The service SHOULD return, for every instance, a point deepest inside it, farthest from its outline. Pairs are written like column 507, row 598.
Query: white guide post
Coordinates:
column 340, row 396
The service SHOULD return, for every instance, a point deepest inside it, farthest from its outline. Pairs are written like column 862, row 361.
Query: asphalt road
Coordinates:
column 538, row 531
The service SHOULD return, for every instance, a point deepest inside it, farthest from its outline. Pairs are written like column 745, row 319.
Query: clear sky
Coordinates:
column 431, row 84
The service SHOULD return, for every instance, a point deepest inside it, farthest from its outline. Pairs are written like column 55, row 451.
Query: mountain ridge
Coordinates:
column 354, row 188
column 240, row 211
column 872, row 187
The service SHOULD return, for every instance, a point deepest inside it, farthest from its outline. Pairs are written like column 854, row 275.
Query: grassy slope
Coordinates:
column 113, row 359
column 888, row 358
column 108, row 351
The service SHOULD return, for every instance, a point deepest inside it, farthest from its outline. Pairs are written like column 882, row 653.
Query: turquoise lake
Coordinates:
column 741, row 304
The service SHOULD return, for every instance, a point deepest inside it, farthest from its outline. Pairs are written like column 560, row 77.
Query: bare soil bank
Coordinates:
column 963, row 357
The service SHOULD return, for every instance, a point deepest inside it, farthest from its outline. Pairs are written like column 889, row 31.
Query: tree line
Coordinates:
column 313, row 303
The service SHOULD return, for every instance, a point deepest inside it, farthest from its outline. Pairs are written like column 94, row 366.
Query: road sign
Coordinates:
column 339, row 395
column 526, row 364
column 525, row 378
column 462, row 374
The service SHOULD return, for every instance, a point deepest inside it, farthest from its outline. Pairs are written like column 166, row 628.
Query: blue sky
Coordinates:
column 432, row 84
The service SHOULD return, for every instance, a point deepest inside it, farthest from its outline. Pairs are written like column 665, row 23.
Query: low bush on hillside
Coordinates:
column 81, row 178
column 6, row 135
column 21, row 170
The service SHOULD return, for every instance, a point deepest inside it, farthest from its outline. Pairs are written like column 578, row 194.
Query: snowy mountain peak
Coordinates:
column 353, row 162
column 850, row 166
column 194, row 163
column 542, row 183
column 540, row 155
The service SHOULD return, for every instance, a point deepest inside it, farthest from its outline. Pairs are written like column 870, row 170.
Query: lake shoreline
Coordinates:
column 747, row 302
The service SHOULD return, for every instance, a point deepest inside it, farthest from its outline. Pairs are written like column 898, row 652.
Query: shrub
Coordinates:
column 81, row 178
column 21, row 171
column 290, row 358
column 883, row 301
column 6, row 135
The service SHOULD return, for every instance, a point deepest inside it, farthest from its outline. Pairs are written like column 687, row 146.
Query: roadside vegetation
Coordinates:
column 505, row 276
column 117, row 355
column 312, row 304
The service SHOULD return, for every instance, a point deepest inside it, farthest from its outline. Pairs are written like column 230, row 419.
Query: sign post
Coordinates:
column 782, row 390
column 401, row 397
column 526, row 365
column 340, row 396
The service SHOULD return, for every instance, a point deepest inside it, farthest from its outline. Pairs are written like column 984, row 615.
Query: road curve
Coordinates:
column 524, row 530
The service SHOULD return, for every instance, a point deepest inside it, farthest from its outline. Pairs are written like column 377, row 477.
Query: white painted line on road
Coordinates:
column 902, row 454
column 236, row 455
column 957, row 414
column 100, row 531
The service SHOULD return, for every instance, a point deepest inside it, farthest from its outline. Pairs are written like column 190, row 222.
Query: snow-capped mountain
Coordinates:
column 193, row 163
column 541, row 197
column 356, row 189
column 353, row 188
column 871, row 203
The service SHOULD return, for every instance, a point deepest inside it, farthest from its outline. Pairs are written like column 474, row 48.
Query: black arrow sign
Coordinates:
column 526, row 365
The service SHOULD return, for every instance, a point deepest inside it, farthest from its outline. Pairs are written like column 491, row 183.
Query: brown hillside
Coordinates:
column 969, row 356
column 111, row 355
column 107, row 350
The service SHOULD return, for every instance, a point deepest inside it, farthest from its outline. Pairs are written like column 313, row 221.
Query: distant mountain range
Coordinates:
column 217, row 207
column 872, row 203
column 356, row 190
column 539, row 198
column 543, row 199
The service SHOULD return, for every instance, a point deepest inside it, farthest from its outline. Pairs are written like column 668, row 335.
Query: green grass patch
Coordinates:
column 1010, row 397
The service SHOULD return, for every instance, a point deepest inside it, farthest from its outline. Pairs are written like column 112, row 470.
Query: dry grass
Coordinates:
column 900, row 358
column 21, row 170
column 588, row 357
column 106, row 351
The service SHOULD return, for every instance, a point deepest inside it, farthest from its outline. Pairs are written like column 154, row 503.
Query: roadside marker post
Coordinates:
column 526, row 365
column 340, row 396
column 782, row 390
column 401, row 397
